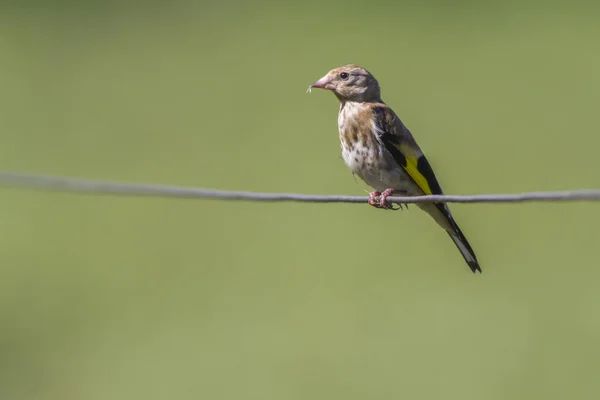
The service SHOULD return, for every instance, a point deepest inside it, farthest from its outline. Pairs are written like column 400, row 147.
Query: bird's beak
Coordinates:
column 323, row 83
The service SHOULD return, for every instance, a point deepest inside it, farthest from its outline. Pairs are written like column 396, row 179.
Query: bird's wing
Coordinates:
column 398, row 140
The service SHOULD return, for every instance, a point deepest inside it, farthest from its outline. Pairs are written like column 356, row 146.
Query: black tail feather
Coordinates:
column 460, row 240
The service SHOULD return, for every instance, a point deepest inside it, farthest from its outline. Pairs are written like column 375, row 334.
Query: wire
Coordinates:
column 88, row 186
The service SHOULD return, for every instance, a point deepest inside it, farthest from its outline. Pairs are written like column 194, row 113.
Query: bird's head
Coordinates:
column 350, row 83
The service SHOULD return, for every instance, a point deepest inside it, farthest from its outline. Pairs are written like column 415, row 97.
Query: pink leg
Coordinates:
column 373, row 199
column 383, row 198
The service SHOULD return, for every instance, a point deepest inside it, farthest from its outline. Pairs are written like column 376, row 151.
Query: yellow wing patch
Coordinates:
column 411, row 166
column 416, row 175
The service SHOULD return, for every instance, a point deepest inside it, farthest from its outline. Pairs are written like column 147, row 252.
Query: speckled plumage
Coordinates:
column 364, row 153
column 378, row 148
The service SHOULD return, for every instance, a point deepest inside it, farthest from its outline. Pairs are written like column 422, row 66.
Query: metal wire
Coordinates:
column 98, row 187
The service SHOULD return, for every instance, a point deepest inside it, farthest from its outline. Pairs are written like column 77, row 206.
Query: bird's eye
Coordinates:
column 344, row 75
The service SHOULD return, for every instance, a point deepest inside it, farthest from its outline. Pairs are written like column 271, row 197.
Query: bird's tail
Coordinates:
column 465, row 248
column 441, row 213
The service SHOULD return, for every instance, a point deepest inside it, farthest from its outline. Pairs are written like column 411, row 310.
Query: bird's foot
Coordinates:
column 373, row 199
column 379, row 200
column 383, row 199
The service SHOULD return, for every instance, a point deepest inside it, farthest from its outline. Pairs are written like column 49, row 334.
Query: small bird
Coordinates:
column 379, row 148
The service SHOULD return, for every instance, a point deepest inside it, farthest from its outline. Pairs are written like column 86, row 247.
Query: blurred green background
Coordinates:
column 137, row 298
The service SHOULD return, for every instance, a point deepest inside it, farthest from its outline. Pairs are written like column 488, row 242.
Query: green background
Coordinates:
column 138, row 298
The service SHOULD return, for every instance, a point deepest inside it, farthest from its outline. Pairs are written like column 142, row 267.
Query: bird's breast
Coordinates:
column 365, row 155
column 360, row 148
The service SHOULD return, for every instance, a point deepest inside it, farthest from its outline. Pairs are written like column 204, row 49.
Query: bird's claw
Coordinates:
column 383, row 199
column 373, row 199
column 379, row 200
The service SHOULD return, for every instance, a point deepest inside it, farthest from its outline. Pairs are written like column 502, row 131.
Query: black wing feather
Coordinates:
column 385, row 121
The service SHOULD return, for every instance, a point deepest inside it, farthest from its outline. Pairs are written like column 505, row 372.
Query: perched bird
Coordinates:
column 380, row 149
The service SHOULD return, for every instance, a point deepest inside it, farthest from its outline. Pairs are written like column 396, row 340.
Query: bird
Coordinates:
column 378, row 148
